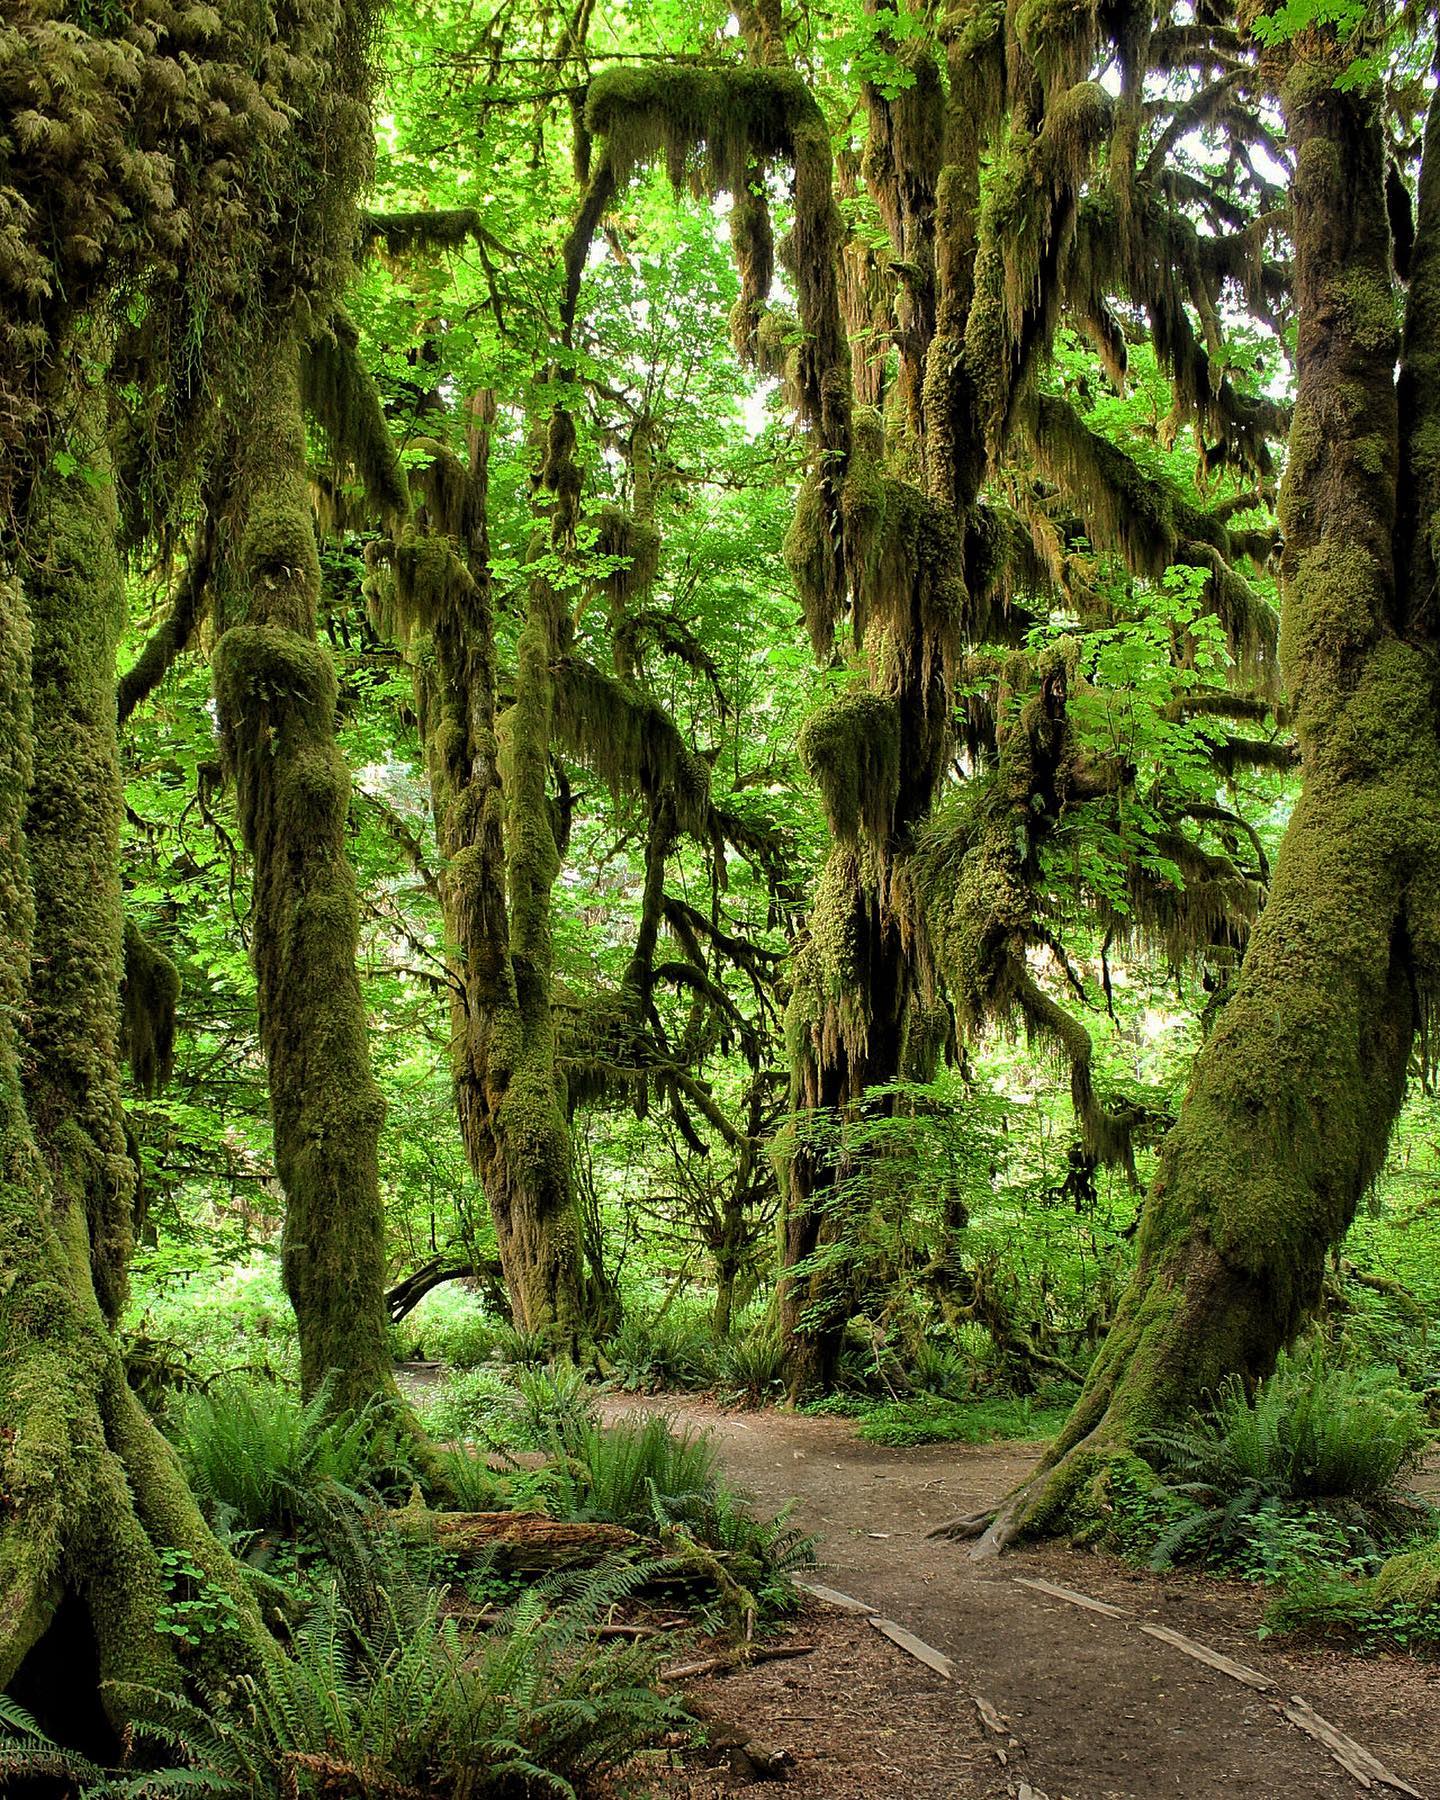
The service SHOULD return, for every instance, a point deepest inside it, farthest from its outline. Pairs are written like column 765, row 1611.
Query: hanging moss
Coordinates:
column 1293, row 1098
column 441, row 228
column 718, row 129
column 634, row 544
column 1149, row 522
column 810, row 555
column 171, row 637
column 851, row 749
column 147, row 1021
column 753, row 244
column 910, row 556
column 339, row 394
column 827, row 1022
column 714, row 124
column 630, row 741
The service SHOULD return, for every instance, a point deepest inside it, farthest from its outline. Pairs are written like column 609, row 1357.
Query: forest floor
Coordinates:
column 1093, row 1708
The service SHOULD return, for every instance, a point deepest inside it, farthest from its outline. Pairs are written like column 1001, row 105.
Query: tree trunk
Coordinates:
column 276, row 692
column 1293, row 1098
column 72, row 1075
column 495, row 828
column 93, row 1494
column 526, row 1163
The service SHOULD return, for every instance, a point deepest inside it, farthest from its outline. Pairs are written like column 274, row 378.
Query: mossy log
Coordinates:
column 527, row 1543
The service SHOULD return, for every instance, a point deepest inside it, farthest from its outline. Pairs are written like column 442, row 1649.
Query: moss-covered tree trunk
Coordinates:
column 1292, row 1101
column 92, row 1493
column 879, row 754
column 276, row 693
column 496, row 832
column 528, row 1174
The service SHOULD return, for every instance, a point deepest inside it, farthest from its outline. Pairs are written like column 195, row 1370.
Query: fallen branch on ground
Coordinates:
column 734, row 1659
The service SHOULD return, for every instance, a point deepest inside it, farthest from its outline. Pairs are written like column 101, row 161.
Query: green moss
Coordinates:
column 810, row 556
column 76, row 596
column 726, row 118
column 339, row 393
column 851, row 748
column 151, row 992
column 276, row 693
column 1413, row 1577
column 635, row 545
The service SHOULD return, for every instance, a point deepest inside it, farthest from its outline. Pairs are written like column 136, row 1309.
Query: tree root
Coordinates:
column 963, row 1527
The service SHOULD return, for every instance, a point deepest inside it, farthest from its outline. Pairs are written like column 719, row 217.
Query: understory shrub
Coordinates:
column 751, row 1367
column 654, row 1479
column 507, row 1409
column 673, row 1349
column 1305, row 1472
column 942, row 1370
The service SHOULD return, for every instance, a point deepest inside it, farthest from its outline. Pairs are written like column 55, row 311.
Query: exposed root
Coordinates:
column 966, row 1525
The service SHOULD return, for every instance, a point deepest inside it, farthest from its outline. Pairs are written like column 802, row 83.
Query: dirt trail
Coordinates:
column 1102, row 1711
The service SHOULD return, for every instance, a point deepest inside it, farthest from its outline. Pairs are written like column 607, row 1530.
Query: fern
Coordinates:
column 253, row 1451
column 1315, row 1441
column 394, row 1704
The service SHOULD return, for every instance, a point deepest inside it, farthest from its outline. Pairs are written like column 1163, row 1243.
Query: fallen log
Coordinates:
column 526, row 1542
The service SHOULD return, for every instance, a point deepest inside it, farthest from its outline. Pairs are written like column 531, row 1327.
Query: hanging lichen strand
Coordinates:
column 721, row 131
column 1292, row 1101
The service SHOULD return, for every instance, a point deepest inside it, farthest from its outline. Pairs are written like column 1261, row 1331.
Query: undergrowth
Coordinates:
column 392, row 1698
column 927, row 1419
column 254, row 1452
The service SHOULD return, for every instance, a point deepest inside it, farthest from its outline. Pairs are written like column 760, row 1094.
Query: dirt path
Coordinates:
column 1102, row 1711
